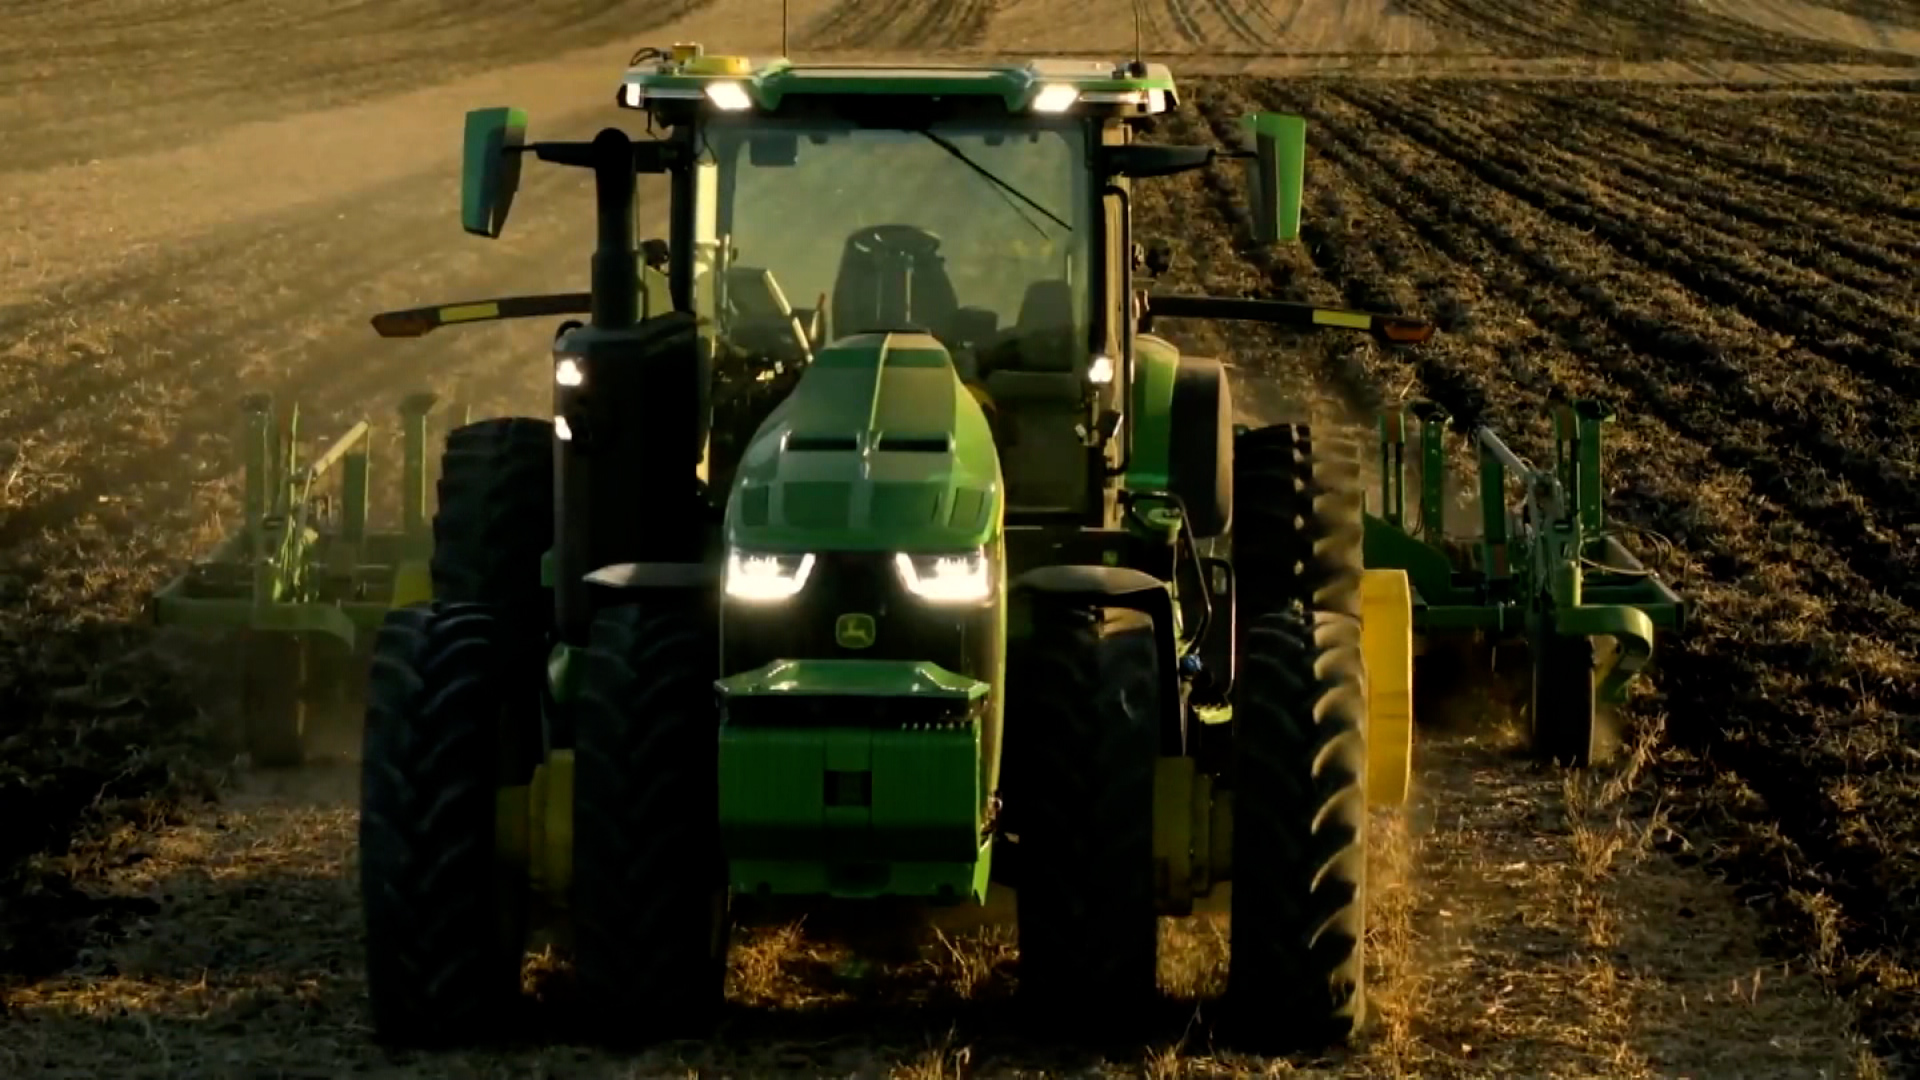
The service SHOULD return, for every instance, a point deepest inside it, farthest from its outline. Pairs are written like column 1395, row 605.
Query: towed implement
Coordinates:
column 305, row 581
column 915, row 587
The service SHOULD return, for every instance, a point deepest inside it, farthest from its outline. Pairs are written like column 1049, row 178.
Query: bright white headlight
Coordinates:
column 762, row 578
column 1101, row 370
column 946, row 579
column 730, row 96
column 563, row 429
column 568, row 372
column 1055, row 98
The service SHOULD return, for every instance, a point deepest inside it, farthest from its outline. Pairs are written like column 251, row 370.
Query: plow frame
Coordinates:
column 305, row 582
column 304, row 560
column 1549, row 566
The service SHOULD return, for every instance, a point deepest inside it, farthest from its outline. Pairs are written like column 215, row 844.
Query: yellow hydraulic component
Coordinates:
column 1192, row 834
column 684, row 51
column 1386, row 642
column 412, row 583
column 549, row 827
column 718, row 65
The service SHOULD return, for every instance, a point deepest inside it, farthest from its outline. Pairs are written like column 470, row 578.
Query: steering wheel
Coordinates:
column 909, row 240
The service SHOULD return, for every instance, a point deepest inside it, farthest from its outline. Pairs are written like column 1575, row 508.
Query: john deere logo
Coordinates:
column 854, row 630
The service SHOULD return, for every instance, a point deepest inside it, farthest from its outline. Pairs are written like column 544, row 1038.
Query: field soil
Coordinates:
column 1708, row 214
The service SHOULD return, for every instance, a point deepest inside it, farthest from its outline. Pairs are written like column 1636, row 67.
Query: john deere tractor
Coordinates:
column 875, row 550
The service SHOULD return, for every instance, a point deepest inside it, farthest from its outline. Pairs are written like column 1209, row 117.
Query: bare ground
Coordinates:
column 199, row 206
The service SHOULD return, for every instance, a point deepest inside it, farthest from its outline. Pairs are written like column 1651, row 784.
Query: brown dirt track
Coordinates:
column 1733, row 265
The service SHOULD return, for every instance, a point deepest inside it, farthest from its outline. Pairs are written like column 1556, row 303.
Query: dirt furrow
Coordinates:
column 1830, row 234
column 1248, row 22
column 900, row 24
column 127, row 90
column 1847, row 326
column 1624, row 29
column 1186, row 22
column 1737, row 122
column 1835, row 187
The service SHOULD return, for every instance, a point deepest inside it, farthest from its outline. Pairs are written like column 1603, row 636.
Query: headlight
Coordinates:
column 568, row 372
column 729, row 96
column 1055, row 98
column 946, row 579
column 1100, row 371
column 762, row 578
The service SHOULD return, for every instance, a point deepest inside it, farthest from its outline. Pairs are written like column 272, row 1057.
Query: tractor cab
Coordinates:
column 968, row 204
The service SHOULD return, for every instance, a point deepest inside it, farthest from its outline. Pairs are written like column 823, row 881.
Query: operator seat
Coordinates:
column 884, row 287
column 1038, row 388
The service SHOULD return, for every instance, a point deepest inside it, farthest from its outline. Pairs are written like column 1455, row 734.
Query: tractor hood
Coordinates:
column 879, row 447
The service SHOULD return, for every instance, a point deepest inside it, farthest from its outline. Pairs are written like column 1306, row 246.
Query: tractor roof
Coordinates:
column 735, row 83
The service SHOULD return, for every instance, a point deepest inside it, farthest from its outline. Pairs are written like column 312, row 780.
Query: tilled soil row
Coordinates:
column 121, row 77
column 1787, row 695
column 1623, row 29
column 900, row 24
column 1835, row 243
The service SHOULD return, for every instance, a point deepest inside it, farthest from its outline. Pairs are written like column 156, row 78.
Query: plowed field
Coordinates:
column 203, row 200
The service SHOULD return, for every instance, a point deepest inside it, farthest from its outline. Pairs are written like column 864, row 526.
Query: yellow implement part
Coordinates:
column 412, row 583
column 1386, row 641
column 550, row 827
column 1192, row 835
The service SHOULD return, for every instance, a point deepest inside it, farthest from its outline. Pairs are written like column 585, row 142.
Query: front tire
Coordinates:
column 1296, row 971
column 649, row 878
column 1295, row 977
column 1082, row 739
column 445, row 918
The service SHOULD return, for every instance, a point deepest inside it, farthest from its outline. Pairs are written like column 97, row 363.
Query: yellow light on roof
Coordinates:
column 718, row 65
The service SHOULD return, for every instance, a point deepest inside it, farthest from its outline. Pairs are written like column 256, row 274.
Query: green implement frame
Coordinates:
column 1549, row 569
column 306, row 581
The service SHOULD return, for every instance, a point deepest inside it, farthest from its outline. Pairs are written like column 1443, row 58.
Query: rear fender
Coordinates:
column 1128, row 590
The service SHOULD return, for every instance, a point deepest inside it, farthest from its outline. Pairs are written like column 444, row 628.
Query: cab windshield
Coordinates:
column 976, row 233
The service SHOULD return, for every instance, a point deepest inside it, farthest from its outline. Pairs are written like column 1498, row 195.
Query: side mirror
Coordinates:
column 490, row 168
column 1275, row 173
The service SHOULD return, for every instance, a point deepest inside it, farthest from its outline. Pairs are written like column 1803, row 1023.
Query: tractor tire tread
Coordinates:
column 1295, row 975
column 647, row 864
column 1082, row 743
column 444, row 944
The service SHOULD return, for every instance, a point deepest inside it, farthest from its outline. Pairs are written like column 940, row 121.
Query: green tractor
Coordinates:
column 916, row 586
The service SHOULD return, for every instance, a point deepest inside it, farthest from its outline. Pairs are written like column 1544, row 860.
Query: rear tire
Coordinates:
column 1082, row 739
column 1295, row 977
column 445, row 918
column 494, row 524
column 649, row 879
